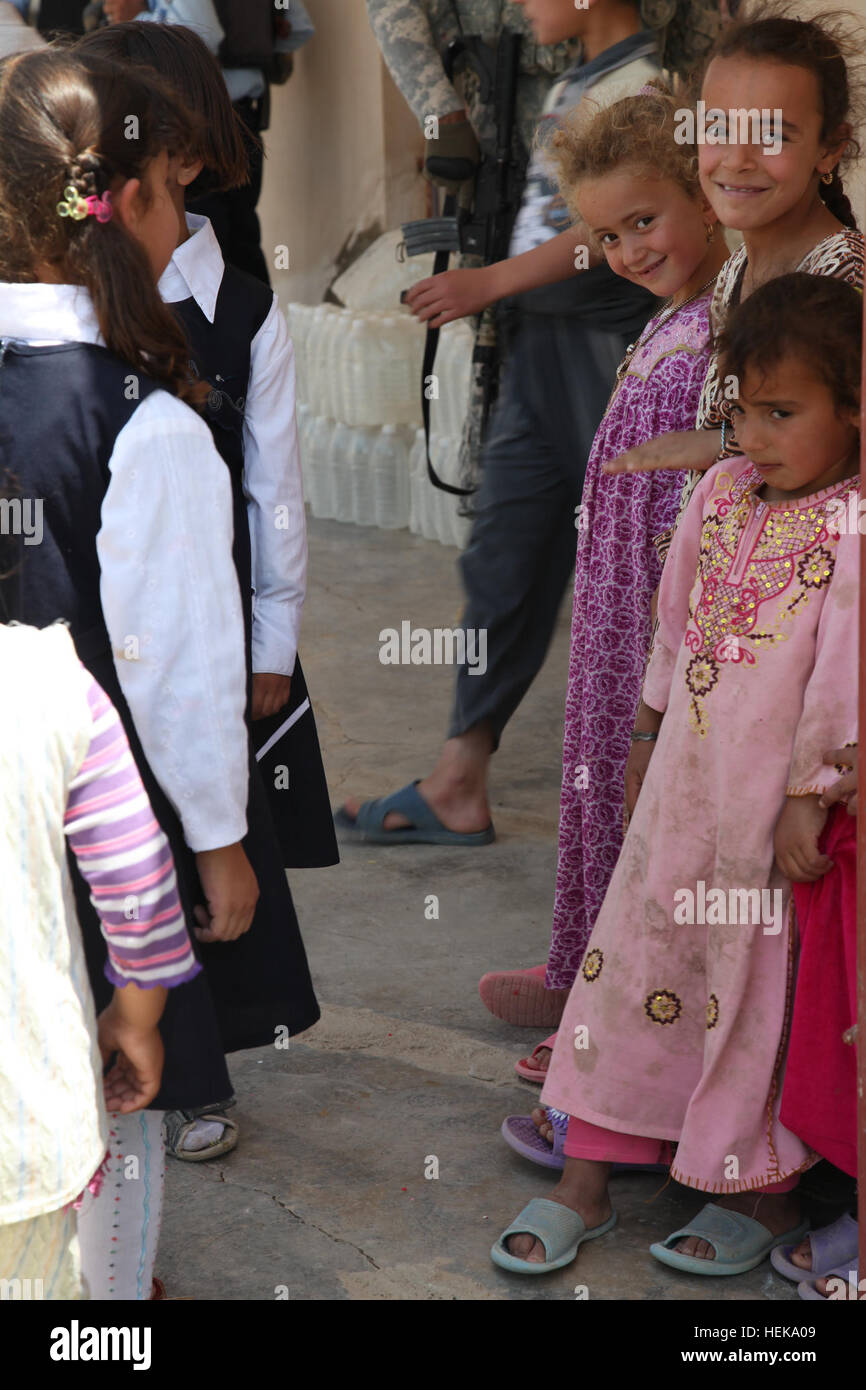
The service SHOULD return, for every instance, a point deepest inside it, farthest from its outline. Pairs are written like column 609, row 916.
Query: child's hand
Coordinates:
column 635, row 772
column 231, row 892
column 270, row 693
column 697, row 449
column 846, row 788
column 452, row 295
column 796, row 840
column 128, row 1027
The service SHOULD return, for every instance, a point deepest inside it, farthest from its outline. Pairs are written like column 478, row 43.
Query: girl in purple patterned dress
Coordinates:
column 636, row 189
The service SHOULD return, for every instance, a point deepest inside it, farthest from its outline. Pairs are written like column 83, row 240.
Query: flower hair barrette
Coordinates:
column 78, row 207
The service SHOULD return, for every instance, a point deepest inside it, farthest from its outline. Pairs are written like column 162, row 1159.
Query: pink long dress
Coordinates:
column 616, row 574
column 678, row 1031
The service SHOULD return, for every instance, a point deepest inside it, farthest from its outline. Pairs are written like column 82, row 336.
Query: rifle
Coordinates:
column 482, row 229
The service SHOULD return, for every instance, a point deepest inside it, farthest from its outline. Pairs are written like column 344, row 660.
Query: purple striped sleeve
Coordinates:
column 126, row 860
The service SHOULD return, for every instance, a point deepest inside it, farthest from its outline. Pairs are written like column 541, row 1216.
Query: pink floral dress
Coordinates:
column 677, row 1024
column 617, row 572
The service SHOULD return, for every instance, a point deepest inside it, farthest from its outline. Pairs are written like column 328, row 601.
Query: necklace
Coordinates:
column 667, row 313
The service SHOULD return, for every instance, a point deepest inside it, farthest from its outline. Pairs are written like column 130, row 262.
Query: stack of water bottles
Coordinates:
column 359, row 418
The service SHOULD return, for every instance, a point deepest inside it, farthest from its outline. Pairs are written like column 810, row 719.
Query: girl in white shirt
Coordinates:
column 136, row 524
column 239, row 343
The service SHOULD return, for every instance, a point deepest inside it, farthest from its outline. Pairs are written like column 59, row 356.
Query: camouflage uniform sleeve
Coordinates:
column 405, row 37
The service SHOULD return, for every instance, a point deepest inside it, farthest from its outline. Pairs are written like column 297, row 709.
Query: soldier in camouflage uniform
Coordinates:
column 412, row 35
column 569, row 335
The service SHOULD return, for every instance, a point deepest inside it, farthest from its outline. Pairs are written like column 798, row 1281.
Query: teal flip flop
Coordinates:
column 740, row 1242
column 561, row 1232
column 368, row 827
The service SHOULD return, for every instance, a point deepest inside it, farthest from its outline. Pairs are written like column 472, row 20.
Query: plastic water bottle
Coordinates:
column 390, row 468
column 314, row 335
column 392, row 373
column 317, row 465
column 331, row 365
column 304, row 420
column 341, row 445
column 361, row 472
column 321, row 335
column 428, row 494
column 417, row 480
column 352, row 365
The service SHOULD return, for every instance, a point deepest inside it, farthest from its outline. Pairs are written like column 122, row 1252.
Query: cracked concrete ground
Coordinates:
column 326, row 1196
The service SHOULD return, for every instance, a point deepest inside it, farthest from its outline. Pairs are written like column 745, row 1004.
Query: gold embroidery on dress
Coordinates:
column 793, row 549
column 663, row 1006
column 593, row 961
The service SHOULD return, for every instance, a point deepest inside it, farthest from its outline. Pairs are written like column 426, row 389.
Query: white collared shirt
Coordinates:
column 272, row 461
column 167, row 574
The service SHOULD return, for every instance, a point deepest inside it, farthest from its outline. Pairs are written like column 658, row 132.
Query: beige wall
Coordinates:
column 342, row 152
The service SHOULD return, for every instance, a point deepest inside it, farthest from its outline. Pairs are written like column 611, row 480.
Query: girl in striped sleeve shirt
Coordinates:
column 67, row 777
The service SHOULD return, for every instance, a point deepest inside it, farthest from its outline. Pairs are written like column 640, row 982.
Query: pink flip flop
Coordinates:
column 519, row 997
column 532, row 1073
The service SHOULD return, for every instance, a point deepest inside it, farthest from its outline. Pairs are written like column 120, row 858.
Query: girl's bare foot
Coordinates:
column 539, row 1061
column 582, row 1188
column 777, row 1214
column 542, row 1123
column 835, row 1287
column 802, row 1255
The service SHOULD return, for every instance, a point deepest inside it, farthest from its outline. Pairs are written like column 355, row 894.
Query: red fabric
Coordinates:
column 819, row 1099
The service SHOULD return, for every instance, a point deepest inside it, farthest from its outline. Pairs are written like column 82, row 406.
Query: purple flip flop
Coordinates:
column 831, row 1247
column 520, row 1134
column 849, row 1272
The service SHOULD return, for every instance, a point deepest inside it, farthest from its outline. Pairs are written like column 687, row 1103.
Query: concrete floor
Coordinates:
column 326, row 1195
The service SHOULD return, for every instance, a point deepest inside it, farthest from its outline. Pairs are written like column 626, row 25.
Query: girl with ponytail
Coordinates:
column 788, row 202
column 135, row 555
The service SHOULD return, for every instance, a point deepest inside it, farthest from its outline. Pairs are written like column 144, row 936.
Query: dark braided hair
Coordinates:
column 69, row 120
column 825, row 47
column 84, row 172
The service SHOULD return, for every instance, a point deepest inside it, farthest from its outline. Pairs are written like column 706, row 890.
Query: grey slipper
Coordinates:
column 426, row 828
column 560, row 1230
column 740, row 1243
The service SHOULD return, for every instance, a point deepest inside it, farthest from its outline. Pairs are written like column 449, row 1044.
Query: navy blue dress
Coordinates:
column 220, row 351
column 61, row 410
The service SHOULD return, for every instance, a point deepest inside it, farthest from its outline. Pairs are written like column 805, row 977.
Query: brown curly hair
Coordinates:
column 814, row 318
column 636, row 132
column 68, row 120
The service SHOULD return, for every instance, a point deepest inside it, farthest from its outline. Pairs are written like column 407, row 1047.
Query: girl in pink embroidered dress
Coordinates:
column 676, row 1027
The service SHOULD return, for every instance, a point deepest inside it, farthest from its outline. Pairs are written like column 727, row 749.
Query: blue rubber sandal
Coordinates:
column 740, row 1242
column 560, row 1230
column 426, row 828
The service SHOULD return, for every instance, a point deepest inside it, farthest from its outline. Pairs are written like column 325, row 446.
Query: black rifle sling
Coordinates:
column 440, row 263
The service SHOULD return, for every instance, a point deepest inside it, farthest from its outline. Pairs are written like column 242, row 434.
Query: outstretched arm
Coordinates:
column 455, row 293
